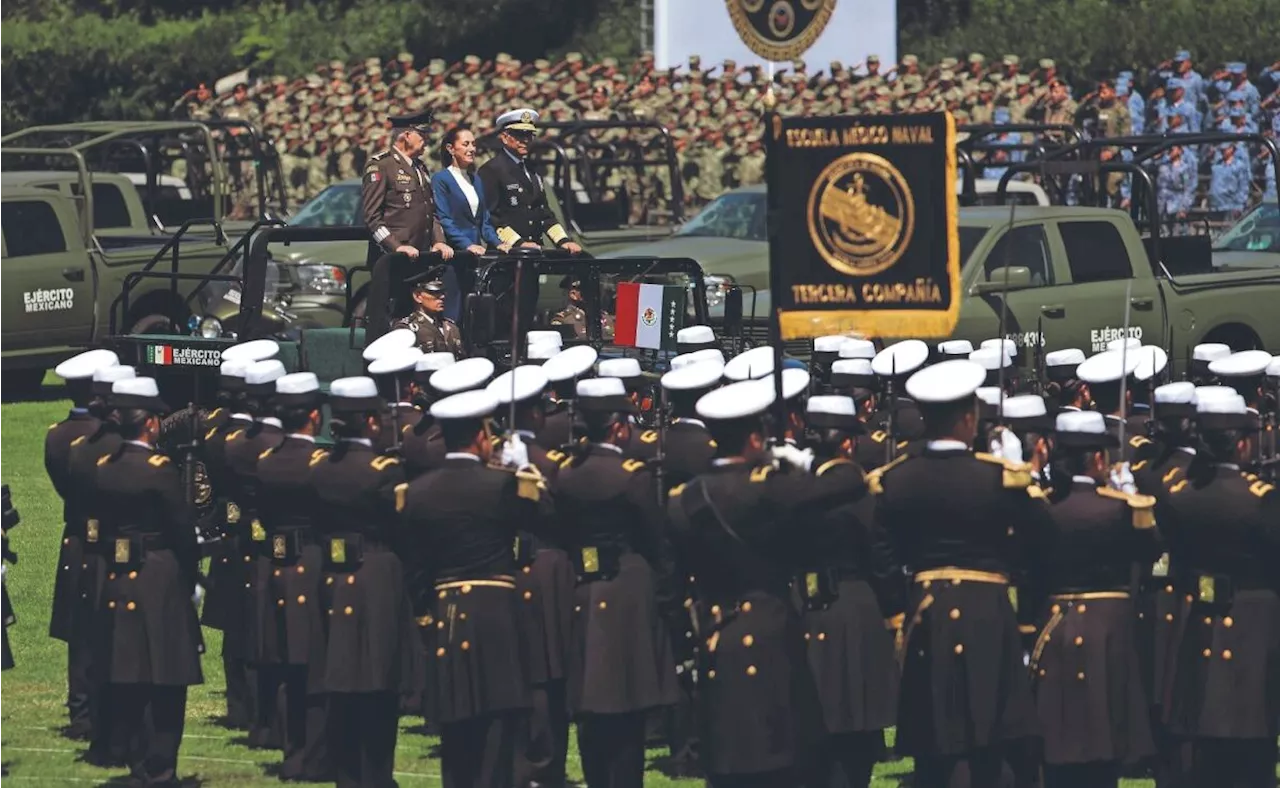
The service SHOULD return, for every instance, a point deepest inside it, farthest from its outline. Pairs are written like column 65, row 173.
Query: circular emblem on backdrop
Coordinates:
column 649, row 317
column 780, row 29
column 861, row 214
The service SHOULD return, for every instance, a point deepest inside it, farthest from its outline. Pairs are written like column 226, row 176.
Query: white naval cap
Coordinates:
column 395, row 339
column 519, row 384
column 1027, row 410
column 955, row 347
column 433, row 362
column 469, row 373
column 1083, row 429
column 854, row 372
column 393, row 361
column 354, row 393
column 990, row 395
column 1210, row 351
column 523, row 119
column 947, row 381
column 82, row 365
column 1273, row 369
column 475, row 404
column 858, row 348
column 1233, row 404
column 600, row 387
column 752, row 364
column 541, row 351
column 695, row 335
column 136, row 387
column 572, row 362
column 235, row 368
column 1213, row 392
column 1067, row 357
column 794, row 382
column 900, row 358
column 543, row 336
column 693, row 377
column 1151, row 361
column 1107, row 367
column 1246, row 363
column 618, row 368
column 1010, row 347
column 1131, row 343
column 264, row 373
column 697, row 357
column 253, row 350
column 832, row 410
column 991, row 358
column 1180, row 393
column 103, row 377
column 827, row 348
column 739, row 400
column 298, row 383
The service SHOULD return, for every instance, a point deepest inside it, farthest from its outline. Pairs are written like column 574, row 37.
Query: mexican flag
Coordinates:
column 161, row 355
column 648, row 316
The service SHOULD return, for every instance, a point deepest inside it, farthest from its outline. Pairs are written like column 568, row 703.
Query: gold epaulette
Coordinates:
column 79, row 440
column 1017, row 475
column 1258, row 486
column 556, row 456
column 208, row 436
column 104, row 459
column 895, row 622
column 213, row 414
column 381, row 463
column 761, row 473
column 829, row 464
column 1036, row 491
column 530, row 484
column 402, row 492
column 1143, row 506
column 265, row 454
column 1138, row 441
column 235, row 435
column 676, row 491
column 317, row 456
column 631, row 466
column 157, row 460
column 649, row 436
column 873, row 478
column 51, row 426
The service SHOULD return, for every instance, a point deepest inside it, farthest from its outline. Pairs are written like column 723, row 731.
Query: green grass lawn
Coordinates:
column 32, row 694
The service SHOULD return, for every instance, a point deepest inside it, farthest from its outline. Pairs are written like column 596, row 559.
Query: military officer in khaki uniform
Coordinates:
column 434, row 331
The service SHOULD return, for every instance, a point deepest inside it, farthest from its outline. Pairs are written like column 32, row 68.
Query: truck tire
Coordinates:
column 1236, row 335
column 20, row 385
column 154, row 323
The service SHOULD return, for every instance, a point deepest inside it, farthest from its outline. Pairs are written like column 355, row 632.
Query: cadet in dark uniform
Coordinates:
column 687, row 446
column 545, row 583
column 1085, row 669
column 433, row 331
column 373, row 654
column 854, row 377
column 64, row 623
column 290, row 639
column 108, row 744
column 897, row 422
column 738, row 528
column 1222, row 526
column 1104, row 372
column 621, row 665
column 564, row 369
column 463, row 519
column 149, row 633
column 393, row 372
column 963, row 524
column 514, row 192
column 399, row 210
column 850, row 586
column 240, row 454
column 1063, row 389
column 423, row 446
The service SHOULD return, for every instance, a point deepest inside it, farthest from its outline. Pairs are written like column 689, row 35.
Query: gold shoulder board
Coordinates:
column 79, row 440
column 676, row 491
column 874, row 478
column 104, row 459
column 631, row 466
column 1138, row 441
column 1017, row 475
column 316, row 457
column 265, row 454
column 556, row 456
column 157, row 460
column 761, row 473
column 649, row 436
column 1036, row 491
column 208, row 436
column 829, row 464
column 235, row 435
column 402, row 490
column 382, row 463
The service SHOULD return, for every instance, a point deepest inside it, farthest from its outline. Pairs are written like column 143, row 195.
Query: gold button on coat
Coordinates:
column 751, row 670
column 959, row 648
column 955, row 613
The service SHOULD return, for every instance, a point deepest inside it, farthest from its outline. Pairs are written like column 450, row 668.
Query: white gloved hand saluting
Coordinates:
column 796, row 458
column 1122, row 478
column 514, row 453
column 1006, row 445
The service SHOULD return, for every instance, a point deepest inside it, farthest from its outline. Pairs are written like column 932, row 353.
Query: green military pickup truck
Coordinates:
column 62, row 272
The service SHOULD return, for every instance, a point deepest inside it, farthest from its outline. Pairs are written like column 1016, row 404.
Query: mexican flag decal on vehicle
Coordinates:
column 648, row 316
column 161, row 355
column 168, row 355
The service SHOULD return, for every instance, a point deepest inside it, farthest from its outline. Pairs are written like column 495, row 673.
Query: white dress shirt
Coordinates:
column 468, row 188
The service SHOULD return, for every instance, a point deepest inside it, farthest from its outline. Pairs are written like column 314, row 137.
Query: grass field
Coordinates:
column 32, row 694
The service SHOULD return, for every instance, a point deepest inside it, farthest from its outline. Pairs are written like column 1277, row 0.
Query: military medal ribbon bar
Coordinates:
column 863, row 234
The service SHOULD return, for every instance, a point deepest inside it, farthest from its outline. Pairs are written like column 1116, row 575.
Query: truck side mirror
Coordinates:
column 1015, row 277
column 733, row 311
column 477, row 319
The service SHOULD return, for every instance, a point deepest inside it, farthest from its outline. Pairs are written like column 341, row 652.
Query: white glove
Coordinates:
column 1122, row 478
column 198, row 596
column 801, row 460
column 1006, row 445
column 514, row 453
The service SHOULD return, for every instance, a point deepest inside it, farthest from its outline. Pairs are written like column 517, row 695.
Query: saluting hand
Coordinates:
column 444, row 250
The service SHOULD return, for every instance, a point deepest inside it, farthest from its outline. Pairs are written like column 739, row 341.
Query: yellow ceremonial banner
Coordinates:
column 863, row 235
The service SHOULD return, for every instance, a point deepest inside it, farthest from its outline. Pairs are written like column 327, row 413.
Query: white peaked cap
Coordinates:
column 900, row 358
column 990, row 358
column 1132, row 342
column 601, row 387
column 1024, row 406
column 401, row 360
column 298, row 383
column 1072, row 356
column 1151, row 361
column 475, row 404
column 82, row 365
column 619, row 368
column 1010, row 347
column 852, row 366
column 1107, row 367
column 947, row 381
column 955, row 347
column 253, row 350
column 572, row 362
column 697, row 357
column 1181, row 393
column 834, row 404
column 695, row 335
column 136, row 387
column 519, row 384
column 112, row 374
column 1210, row 351
column 1246, row 363
column 431, row 362
column 235, row 368
column 1229, row 405
column 858, row 348
column 395, row 339
column 548, row 337
column 469, row 373
column 737, row 400
column 831, row 343
column 264, row 372
column 541, row 351
column 752, row 364
column 794, row 382
column 1081, row 421
column 693, row 377
column 358, row 387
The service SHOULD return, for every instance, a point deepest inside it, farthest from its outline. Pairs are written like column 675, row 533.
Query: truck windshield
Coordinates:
column 739, row 215
column 1258, row 231
column 970, row 237
column 336, row 206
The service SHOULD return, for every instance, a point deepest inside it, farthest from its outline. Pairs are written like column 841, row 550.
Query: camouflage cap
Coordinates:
column 977, row 57
column 702, row 106
column 502, row 57
column 436, row 67
column 695, row 60
column 337, row 65
column 609, row 62
column 876, row 58
column 573, row 57
column 542, row 64
column 471, row 60
column 1010, row 60
column 798, row 64
column 908, row 60
column 1047, row 63
column 985, row 87
column 948, row 63
column 946, row 76
column 321, row 135
column 1022, row 79
column 405, row 57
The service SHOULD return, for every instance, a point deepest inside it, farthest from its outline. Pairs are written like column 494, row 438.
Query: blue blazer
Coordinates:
column 462, row 228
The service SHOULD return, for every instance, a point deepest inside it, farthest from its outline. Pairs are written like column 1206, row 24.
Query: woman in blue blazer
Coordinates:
column 463, row 215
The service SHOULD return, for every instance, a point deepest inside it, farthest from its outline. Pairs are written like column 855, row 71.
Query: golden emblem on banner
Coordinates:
column 780, row 29
column 861, row 214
